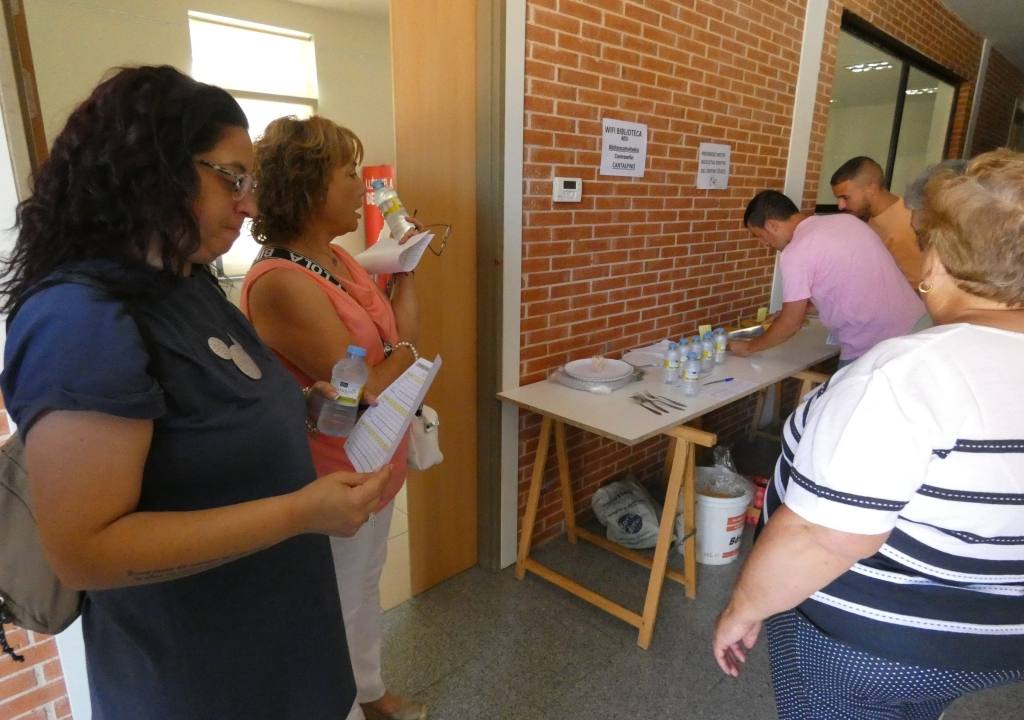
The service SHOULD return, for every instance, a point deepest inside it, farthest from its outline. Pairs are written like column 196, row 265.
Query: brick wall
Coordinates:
column 924, row 25
column 34, row 689
column 642, row 259
column 1004, row 83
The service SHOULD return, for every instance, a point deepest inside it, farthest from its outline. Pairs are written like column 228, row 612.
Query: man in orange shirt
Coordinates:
column 859, row 187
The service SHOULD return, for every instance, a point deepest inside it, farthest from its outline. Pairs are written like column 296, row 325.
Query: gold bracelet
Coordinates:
column 412, row 348
column 311, row 427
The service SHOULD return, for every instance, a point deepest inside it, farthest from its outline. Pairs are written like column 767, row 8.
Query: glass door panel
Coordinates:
column 865, row 87
column 927, row 109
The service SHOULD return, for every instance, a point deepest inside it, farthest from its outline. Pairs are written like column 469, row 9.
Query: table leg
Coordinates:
column 682, row 458
column 670, row 453
column 809, row 379
column 564, row 481
column 533, row 498
column 689, row 530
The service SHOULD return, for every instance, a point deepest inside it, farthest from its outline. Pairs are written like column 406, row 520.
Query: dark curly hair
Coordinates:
column 120, row 181
column 294, row 162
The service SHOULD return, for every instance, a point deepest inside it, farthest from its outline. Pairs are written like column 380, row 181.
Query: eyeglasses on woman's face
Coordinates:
column 242, row 183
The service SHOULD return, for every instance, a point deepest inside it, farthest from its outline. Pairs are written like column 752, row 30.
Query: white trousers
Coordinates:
column 358, row 561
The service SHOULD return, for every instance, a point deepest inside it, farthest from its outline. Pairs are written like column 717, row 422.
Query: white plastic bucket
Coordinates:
column 720, row 523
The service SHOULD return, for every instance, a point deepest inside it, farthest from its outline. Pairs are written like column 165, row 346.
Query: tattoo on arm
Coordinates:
column 141, row 577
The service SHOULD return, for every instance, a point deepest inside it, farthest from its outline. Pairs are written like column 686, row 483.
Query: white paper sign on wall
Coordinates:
column 713, row 166
column 623, row 148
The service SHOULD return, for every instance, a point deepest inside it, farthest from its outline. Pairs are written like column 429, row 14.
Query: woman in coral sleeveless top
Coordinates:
column 310, row 300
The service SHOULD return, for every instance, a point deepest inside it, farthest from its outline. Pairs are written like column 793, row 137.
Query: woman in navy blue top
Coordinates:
column 170, row 472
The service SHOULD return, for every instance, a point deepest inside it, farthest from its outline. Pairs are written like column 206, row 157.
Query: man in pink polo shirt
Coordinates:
column 838, row 263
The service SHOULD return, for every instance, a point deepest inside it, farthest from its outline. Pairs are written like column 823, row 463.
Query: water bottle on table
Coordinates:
column 348, row 378
column 721, row 340
column 691, row 372
column 707, row 356
column 391, row 207
column 670, row 365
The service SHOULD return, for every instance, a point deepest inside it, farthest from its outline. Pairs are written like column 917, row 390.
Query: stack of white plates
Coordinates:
column 598, row 370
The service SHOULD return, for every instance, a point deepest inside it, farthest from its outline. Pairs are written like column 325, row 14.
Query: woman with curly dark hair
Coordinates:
column 310, row 300
column 165, row 444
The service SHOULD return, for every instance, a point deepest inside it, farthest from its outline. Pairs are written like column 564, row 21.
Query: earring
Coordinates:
column 924, row 287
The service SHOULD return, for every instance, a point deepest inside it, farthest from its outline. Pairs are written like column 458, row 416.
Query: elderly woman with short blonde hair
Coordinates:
column 891, row 567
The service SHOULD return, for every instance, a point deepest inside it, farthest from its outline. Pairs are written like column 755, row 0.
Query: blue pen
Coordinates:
column 728, row 379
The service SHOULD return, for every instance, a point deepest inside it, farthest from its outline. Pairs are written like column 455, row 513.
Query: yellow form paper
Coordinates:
column 376, row 436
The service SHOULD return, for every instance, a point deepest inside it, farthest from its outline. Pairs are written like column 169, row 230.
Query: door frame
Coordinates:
column 501, row 43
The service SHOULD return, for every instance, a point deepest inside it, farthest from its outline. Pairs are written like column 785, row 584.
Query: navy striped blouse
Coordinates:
column 922, row 437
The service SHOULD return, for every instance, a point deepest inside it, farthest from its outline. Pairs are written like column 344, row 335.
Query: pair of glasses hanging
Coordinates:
column 444, row 231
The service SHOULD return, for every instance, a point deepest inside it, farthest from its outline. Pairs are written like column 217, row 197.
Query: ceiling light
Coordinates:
column 867, row 67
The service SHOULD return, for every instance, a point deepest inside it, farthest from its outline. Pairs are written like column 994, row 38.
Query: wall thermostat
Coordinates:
column 567, row 190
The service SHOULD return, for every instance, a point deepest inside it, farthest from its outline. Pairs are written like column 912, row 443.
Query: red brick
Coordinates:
column 555, row 21
column 33, row 700
column 581, row 10
column 16, row 684
column 554, row 90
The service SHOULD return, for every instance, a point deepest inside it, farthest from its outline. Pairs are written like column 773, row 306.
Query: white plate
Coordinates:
column 608, row 371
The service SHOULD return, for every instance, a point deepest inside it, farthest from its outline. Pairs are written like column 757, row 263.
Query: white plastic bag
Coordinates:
column 628, row 513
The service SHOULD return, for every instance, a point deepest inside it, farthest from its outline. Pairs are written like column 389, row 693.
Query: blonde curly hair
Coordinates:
column 294, row 162
column 974, row 220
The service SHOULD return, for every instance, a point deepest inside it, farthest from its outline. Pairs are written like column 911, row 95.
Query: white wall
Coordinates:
column 75, row 43
column 8, row 203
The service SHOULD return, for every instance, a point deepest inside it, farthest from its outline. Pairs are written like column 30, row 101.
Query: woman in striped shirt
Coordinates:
column 891, row 567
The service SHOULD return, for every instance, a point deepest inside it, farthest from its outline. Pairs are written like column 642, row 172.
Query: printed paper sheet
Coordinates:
column 377, row 434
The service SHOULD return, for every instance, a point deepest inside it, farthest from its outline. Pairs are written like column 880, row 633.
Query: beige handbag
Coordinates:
column 424, row 443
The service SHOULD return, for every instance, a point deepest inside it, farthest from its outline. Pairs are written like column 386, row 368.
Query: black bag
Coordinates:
column 31, row 595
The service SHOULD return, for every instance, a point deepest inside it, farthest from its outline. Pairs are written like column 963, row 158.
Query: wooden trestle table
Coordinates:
column 618, row 418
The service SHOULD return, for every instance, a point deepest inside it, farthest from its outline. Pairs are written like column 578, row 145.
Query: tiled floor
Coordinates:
column 483, row 645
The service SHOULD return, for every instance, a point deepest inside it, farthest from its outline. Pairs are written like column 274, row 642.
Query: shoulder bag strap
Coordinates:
column 278, row 253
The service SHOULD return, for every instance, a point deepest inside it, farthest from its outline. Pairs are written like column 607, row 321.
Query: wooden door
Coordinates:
column 434, row 68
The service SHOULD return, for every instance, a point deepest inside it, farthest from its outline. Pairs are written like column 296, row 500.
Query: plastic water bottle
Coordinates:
column 721, row 343
column 348, row 378
column 707, row 356
column 691, row 373
column 684, row 351
column 670, row 365
column 394, row 212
